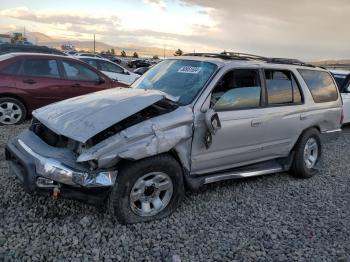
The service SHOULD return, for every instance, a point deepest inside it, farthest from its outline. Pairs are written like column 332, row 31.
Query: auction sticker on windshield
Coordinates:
column 189, row 70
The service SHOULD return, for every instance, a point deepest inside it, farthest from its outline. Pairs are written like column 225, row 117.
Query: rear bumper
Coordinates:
column 23, row 165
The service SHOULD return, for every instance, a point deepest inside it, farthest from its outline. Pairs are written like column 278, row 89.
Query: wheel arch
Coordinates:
column 303, row 132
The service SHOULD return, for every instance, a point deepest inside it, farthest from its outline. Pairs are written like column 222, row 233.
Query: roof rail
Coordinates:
column 215, row 55
column 242, row 56
column 288, row 61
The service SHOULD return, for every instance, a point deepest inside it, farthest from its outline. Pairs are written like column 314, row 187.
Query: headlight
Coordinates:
column 55, row 170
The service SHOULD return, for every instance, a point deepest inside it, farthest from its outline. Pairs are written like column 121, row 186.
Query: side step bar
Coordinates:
column 269, row 167
column 242, row 174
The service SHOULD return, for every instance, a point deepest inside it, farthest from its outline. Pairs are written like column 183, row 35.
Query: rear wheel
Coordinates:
column 12, row 111
column 146, row 190
column 307, row 154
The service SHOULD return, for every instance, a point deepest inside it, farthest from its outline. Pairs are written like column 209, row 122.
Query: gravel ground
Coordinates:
column 271, row 218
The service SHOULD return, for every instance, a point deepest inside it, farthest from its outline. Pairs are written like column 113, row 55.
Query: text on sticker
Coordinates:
column 189, row 70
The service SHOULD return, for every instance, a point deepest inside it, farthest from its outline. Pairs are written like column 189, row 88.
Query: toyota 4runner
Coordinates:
column 189, row 121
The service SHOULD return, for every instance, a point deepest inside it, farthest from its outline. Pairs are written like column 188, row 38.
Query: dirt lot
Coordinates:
column 271, row 218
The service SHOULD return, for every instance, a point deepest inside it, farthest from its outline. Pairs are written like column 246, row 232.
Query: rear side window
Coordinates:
column 11, row 69
column 77, row 71
column 320, row 84
column 41, row 68
column 92, row 62
column 109, row 67
column 282, row 88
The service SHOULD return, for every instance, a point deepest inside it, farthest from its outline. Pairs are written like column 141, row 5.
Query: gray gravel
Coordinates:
column 271, row 218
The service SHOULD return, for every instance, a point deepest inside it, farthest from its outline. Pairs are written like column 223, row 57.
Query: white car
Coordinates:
column 342, row 77
column 113, row 70
column 79, row 55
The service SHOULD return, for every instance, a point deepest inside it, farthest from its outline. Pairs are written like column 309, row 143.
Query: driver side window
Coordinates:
column 237, row 89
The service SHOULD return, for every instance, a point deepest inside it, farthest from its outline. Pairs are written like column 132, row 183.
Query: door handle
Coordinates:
column 75, row 85
column 256, row 123
column 29, row 81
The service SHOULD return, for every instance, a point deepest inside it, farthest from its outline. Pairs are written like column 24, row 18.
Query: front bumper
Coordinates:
column 39, row 174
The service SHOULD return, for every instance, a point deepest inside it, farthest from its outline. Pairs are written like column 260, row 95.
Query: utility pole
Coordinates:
column 94, row 44
column 164, row 52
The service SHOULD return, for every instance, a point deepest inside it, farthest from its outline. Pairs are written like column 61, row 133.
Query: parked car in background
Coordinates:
column 78, row 55
column 190, row 120
column 71, row 52
column 138, row 63
column 141, row 70
column 113, row 70
column 29, row 81
column 116, row 60
column 11, row 48
column 111, row 58
column 342, row 77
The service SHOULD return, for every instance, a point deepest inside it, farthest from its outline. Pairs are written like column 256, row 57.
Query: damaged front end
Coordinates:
column 53, row 158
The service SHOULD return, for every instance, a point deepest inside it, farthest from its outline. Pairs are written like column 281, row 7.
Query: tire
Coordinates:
column 12, row 111
column 302, row 168
column 136, row 175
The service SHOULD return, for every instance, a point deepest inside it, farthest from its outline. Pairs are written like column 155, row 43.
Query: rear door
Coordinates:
column 41, row 79
column 81, row 79
column 283, row 110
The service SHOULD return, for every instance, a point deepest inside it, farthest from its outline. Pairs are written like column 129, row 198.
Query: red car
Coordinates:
column 29, row 81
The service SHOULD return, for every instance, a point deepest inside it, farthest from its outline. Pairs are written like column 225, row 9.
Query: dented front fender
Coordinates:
column 148, row 138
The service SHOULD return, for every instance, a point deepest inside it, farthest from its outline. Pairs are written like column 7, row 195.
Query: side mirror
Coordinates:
column 126, row 72
column 101, row 81
column 213, row 124
column 212, row 121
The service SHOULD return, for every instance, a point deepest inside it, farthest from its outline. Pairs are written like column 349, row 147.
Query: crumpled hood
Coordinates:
column 80, row 118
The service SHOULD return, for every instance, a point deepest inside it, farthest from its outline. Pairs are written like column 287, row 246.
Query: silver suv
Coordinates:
column 189, row 121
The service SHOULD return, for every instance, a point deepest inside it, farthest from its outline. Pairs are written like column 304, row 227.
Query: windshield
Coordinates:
column 182, row 79
column 340, row 79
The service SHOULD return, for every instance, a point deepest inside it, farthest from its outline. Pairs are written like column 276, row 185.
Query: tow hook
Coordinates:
column 56, row 193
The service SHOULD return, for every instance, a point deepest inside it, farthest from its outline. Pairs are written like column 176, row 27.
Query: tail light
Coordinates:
column 342, row 117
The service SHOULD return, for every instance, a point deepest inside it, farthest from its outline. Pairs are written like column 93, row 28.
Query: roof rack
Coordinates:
column 243, row 56
column 288, row 61
column 215, row 55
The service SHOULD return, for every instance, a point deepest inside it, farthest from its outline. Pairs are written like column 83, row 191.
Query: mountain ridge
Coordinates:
column 87, row 45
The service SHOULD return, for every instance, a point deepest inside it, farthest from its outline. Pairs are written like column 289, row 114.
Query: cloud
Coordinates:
column 303, row 29
column 53, row 17
column 157, row 4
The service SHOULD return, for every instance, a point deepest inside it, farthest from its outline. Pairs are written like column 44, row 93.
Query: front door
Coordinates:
column 238, row 100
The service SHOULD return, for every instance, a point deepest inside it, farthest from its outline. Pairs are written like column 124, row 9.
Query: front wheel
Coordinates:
column 146, row 190
column 307, row 154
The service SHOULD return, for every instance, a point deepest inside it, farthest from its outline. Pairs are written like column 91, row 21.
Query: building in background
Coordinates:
column 5, row 39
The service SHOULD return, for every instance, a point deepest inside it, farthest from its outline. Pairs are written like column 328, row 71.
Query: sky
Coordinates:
column 304, row 29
